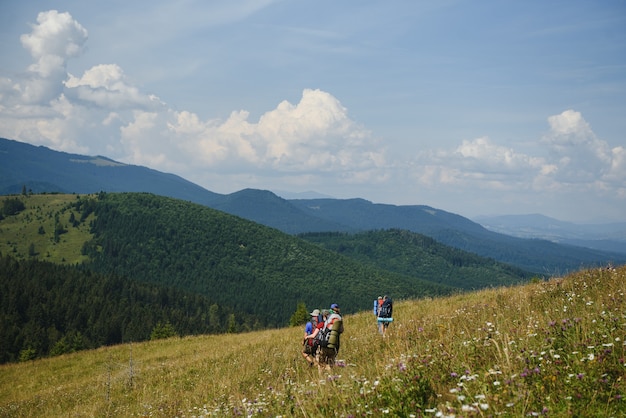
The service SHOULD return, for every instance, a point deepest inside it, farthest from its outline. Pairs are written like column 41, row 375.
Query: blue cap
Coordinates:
column 334, row 306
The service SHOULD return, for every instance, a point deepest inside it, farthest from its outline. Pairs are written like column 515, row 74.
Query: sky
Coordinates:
column 474, row 107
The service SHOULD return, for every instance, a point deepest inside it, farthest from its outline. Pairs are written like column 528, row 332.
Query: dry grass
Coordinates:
column 545, row 349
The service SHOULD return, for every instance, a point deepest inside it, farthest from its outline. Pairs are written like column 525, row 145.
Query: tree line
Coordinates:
column 50, row 309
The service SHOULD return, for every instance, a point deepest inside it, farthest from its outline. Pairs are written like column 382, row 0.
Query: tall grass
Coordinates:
column 551, row 348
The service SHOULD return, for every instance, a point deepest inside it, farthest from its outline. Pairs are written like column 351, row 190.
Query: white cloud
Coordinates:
column 106, row 86
column 101, row 111
column 55, row 38
column 57, row 34
column 314, row 134
column 581, row 158
column 576, row 162
column 478, row 163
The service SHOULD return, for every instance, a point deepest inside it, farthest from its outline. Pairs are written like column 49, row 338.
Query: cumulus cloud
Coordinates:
column 106, row 86
column 54, row 39
column 478, row 163
column 576, row 161
column 579, row 155
column 102, row 112
column 314, row 134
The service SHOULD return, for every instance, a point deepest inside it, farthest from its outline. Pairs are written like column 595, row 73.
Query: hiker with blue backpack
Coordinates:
column 309, row 350
column 385, row 315
column 314, row 338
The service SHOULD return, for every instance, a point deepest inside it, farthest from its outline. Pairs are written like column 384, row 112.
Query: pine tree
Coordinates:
column 300, row 316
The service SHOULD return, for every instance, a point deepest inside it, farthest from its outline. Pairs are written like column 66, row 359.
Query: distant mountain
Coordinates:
column 42, row 170
column 605, row 237
column 301, row 195
column 266, row 208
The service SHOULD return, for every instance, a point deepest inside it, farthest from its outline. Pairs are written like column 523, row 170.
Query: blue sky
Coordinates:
column 474, row 107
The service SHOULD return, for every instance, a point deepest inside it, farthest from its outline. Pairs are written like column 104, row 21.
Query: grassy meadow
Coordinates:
column 31, row 232
column 553, row 348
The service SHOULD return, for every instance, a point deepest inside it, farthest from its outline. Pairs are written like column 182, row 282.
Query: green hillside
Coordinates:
column 44, row 227
column 420, row 256
column 551, row 349
column 232, row 261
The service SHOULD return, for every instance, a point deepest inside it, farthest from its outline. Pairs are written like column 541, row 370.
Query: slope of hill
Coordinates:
column 550, row 348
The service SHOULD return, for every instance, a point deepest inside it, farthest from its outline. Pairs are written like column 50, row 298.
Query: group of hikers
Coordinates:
column 321, row 337
column 322, row 333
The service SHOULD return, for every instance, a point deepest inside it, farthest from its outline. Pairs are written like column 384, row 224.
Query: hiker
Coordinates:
column 314, row 337
column 377, row 303
column 333, row 327
column 385, row 314
column 309, row 348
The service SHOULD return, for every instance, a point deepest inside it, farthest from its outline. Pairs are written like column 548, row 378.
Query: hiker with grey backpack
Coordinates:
column 329, row 338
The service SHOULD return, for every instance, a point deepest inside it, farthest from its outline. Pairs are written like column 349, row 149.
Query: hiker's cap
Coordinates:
column 380, row 297
column 334, row 306
column 316, row 312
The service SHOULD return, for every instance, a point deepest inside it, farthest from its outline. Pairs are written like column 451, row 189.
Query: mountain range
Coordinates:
column 601, row 236
column 40, row 169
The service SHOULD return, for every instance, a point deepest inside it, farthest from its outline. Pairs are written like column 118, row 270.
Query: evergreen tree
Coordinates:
column 163, row 330
column 300, row 316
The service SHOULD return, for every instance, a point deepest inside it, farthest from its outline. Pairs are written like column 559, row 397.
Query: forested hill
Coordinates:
column 237, row 263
